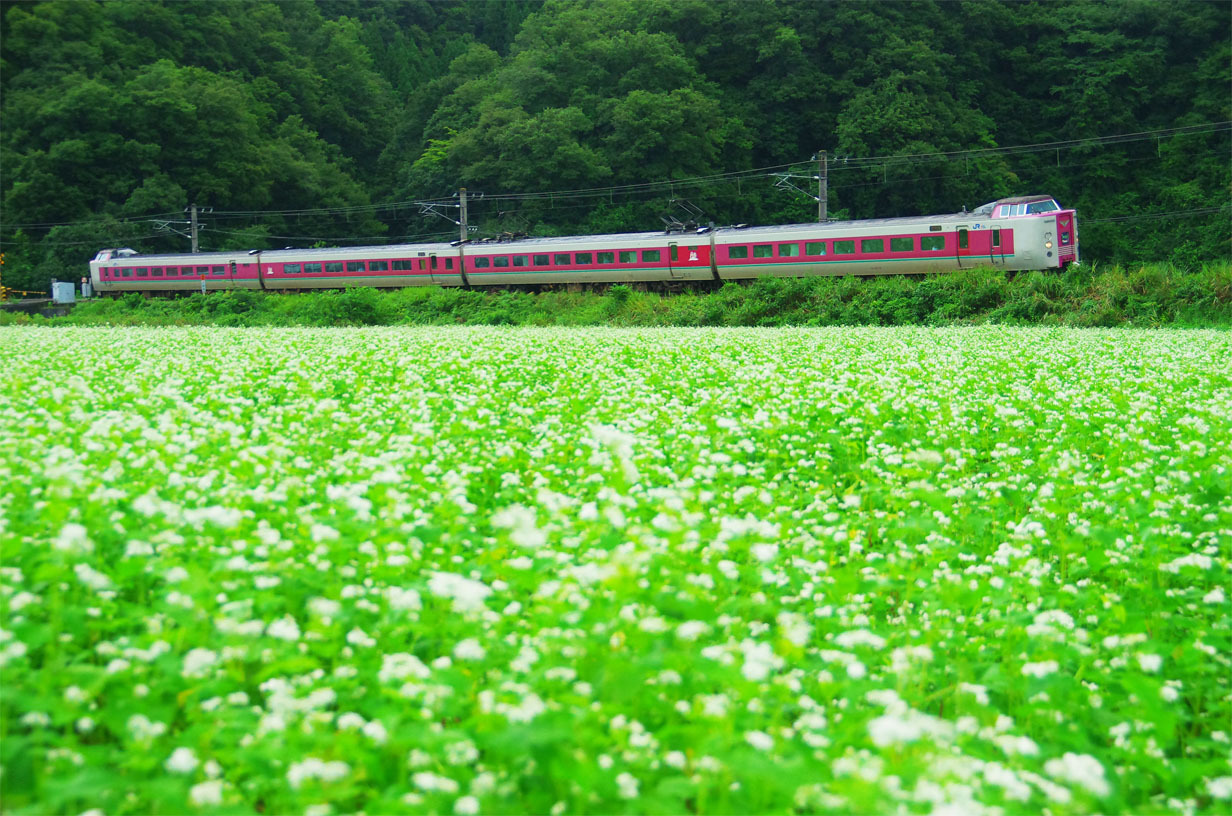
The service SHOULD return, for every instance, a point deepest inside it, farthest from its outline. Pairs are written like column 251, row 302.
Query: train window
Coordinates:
column 290, row 269
column 378, row 266
column 333, row 268
column 962, row 239
column 628, row 257
column 501, row 260
column 872, row 245
column 561, row 260
column 1042, row 206
column 738, row 252
column 605, row 257
column 421, row 265
column 651, row 256
column 218, row 270
column 763, row 251
column 143, row 272
column 128, row 273
column 844, row 247
column 996, row 238
column 483, row 263
column 203, row 270
column 157, row 271
column 542, row 260
column 312, row 269
column 789, row 250
column 815, row 248
column 355, row 266
column 902, row 244
column 521, row 260
column 673, row 252
column 404, row 266
column 449, row 263
column 932, row 243
column 582, row 258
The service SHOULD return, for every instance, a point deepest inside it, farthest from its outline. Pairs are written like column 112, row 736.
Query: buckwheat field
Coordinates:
column 467, row 571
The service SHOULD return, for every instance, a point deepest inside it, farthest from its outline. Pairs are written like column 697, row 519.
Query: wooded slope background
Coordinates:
column 307, row 124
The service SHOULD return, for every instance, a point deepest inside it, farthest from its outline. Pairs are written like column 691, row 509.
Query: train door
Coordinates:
column 963, row 245
column 996, row 245
column 683, row 258
column 434, row 268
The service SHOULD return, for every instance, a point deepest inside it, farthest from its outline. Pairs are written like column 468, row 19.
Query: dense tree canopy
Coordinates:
column 306, row 123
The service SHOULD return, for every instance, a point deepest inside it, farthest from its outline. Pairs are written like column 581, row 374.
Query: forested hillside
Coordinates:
column 304, row 124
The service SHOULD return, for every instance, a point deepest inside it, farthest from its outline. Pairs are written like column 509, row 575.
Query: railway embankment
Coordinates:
column 1094, row 295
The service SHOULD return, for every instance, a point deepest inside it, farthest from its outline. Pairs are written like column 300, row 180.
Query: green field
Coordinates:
column 615, row 571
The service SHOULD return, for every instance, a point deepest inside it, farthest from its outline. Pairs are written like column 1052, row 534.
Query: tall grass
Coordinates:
column 1144, row 296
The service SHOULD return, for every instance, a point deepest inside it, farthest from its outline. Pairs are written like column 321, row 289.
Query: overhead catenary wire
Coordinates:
column 838, row 165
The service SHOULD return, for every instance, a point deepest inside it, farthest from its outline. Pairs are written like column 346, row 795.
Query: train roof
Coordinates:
column 650, row 237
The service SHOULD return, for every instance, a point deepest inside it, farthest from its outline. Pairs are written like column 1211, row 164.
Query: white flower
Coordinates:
column 628, row 784
column 692, row 630
column 404, row 599
column 759, row 740
column 358, row 637
column 376, row 732
column 198, row 663
column 1215, row 596
column 313, row 768
column 520, row 521
column 324, row 607
column 860, row 637
column 1220, row 787
column 73, row 539
column 469, row 649
column 467, row 595
column 1149, row 662
column 206, row 793
column 143, row 729
column 285, row 628
column 402, row 665
column 91, row 577
column 182, row 760
column 1080, row 769
column 466, row 806
column 428, row 781
column 1041, row 669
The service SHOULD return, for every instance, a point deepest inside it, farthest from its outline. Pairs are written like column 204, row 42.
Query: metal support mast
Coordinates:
column 823, row 186
column 462, row 214
column 194, row 230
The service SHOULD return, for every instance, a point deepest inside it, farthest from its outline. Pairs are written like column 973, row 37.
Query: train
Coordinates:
column 1019, row 233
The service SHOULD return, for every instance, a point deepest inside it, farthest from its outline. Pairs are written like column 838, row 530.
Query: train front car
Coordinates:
column 1032, row 232
column 114, row 271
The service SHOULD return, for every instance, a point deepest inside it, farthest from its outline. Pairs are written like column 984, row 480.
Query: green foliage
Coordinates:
column 297, row 118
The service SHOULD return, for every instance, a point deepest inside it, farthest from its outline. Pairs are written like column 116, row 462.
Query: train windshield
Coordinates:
column 1041, row 207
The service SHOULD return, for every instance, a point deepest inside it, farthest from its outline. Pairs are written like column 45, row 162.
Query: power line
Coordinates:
column 838, row 165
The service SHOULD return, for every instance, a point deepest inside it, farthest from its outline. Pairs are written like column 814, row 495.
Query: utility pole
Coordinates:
column 194, row 230
column 823, row 186
column 462, row 213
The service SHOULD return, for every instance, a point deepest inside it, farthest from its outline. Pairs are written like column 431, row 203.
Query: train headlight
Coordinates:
column 1047, row 240
column 1048, row 245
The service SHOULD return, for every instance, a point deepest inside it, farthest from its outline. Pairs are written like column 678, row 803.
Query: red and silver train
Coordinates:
column 1029, row 232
